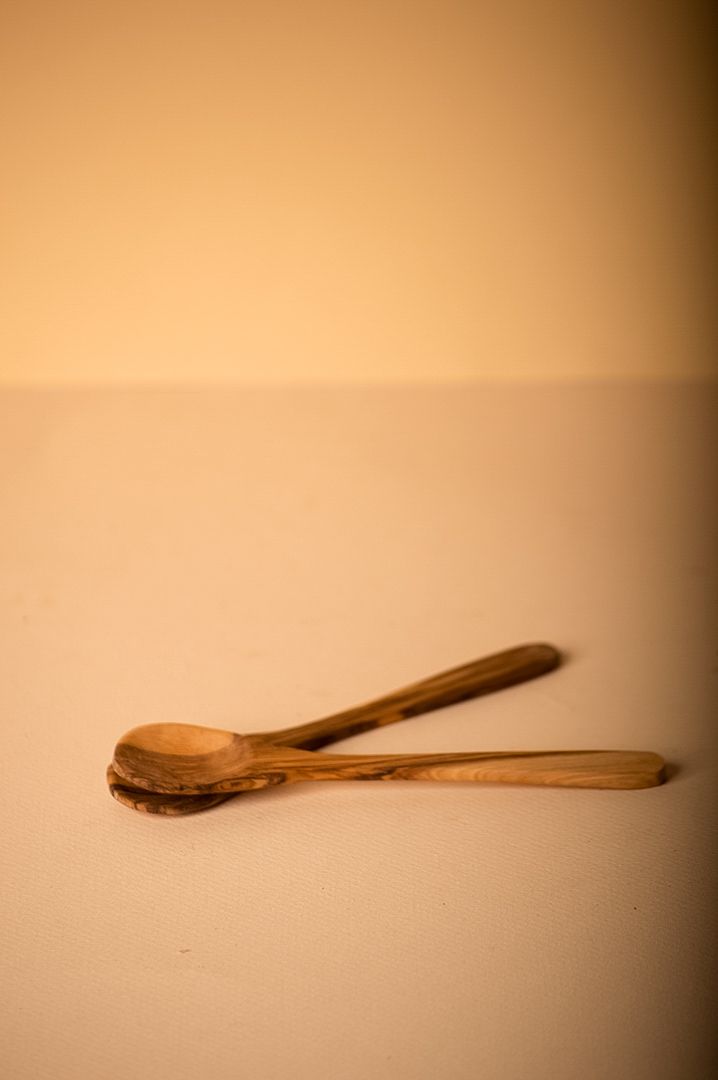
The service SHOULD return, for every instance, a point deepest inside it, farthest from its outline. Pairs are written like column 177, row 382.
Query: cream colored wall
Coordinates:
column 378, row 190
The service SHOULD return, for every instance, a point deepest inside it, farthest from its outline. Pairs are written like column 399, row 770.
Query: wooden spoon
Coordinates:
column 188, row 759
column 482, row 676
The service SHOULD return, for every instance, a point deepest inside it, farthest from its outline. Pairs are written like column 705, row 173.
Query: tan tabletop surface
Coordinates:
column 252, row 558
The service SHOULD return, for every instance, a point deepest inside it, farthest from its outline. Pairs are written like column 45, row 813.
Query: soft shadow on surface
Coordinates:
column 671, row 771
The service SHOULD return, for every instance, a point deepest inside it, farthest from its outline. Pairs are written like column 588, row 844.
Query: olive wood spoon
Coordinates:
column 188, row 759
column 490, row 673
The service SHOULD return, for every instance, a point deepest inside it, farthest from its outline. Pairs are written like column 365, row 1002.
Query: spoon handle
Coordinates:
column 457, row 684
column 555, row 768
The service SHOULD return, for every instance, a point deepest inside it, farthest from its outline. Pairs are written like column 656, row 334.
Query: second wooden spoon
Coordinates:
column 495, row 672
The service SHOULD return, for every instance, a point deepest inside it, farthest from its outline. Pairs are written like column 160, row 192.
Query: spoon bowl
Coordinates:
column 182, row 759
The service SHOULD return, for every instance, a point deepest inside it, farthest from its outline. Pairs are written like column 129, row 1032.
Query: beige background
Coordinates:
column 254, row 558
column 316, row 193
column 389, row 190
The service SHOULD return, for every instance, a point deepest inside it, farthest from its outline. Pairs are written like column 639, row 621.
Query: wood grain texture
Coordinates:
column 158, row 802
column 486, row 675
column 187, row 759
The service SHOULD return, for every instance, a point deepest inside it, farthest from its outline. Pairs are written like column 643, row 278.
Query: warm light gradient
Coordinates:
column 378, row 190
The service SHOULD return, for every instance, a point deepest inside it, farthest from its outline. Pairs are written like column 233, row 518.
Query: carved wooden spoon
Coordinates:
column 192, row 760
column 482, row 676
